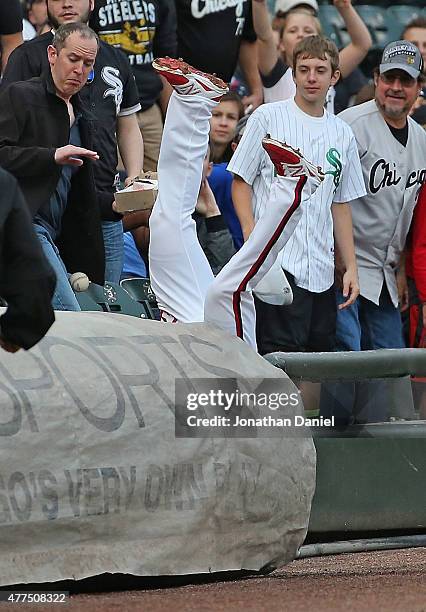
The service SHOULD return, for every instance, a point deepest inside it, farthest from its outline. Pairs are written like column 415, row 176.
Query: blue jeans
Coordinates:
column 361, row 327
column 114, row 251
column 365, row 326
column 64, row 297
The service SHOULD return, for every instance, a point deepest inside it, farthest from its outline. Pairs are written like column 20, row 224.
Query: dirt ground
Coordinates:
column 385, row 581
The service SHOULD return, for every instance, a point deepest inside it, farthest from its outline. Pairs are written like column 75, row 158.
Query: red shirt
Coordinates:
column 416, row 250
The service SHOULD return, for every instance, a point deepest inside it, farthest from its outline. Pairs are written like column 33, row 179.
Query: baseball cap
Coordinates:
column 402, row 55
column 283, row 6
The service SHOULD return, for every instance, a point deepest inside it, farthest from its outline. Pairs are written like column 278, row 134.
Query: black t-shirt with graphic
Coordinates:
column 143, row 31
column 210, row 33
column 10, row 17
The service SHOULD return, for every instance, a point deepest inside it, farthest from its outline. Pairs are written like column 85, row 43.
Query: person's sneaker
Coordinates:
column 274, row 287
column 290, row 162
column 187, row 80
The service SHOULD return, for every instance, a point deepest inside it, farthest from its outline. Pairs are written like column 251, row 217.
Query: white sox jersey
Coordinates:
column 325, row 141
column 393, row 175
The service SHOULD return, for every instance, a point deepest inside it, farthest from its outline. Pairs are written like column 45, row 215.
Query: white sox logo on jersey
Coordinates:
column 111, row 76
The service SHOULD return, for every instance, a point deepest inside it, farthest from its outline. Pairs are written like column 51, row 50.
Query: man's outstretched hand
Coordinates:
column 70, row 155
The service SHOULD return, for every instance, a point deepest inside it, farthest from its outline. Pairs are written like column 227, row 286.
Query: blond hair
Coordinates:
column 280, row 23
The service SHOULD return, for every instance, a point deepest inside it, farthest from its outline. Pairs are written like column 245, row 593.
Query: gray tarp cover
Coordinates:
column 93, row 479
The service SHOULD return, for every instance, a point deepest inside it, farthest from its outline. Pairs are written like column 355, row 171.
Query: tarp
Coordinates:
column 93, row 478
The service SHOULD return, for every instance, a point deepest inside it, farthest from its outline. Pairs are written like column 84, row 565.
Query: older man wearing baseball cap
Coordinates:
column 392, row 148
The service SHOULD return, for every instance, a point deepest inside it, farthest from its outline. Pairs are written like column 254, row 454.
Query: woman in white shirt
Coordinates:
column 275, row 63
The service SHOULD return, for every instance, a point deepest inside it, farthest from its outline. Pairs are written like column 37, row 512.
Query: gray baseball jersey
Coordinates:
column 325, row 141
column 393, row 175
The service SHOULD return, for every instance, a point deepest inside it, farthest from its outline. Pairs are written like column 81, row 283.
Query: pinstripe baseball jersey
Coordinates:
column 326, row 141
column 393, row 176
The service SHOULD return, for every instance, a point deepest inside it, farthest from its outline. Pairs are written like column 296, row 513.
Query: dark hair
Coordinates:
column 232, row 96
column 417, row 22
column 318, row 47
column 65, row 30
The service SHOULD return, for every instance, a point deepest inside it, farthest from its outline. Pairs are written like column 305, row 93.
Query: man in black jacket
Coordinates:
column 43, row 140
column 27, row 281
column 112, row 97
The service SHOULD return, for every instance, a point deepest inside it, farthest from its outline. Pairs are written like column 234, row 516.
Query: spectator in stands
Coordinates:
column 276, row 71
column 416, row 273
column 213, row 234
column 112, row 98
column 392, row 149
column 37, row 15
column 215, row 36
column 143, row 32
column 43, row 144
column 415, row 32
column 225, row 133
column 223, row 123
column 27, row 281
column 10, row 29
column 308, row 324
column 416, row 276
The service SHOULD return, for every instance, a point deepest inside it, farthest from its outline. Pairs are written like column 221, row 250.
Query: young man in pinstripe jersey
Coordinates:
column 309, row 323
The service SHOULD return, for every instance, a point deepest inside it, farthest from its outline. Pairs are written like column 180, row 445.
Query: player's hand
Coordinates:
column 70, row 155
column 9, row 347
column 424, row 315
column 350, row 288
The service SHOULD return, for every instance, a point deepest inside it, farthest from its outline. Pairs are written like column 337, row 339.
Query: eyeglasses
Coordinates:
column 403, row 77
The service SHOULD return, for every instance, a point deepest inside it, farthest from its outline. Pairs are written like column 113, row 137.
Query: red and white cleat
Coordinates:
column 187, row 80
column 290, row 162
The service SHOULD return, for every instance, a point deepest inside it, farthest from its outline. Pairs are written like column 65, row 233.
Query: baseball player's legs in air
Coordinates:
column 181, row 277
